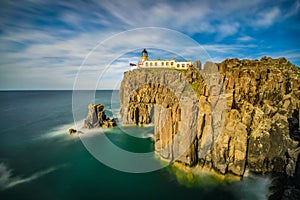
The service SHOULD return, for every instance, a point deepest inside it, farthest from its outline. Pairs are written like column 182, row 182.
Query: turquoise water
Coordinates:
column 39, row 160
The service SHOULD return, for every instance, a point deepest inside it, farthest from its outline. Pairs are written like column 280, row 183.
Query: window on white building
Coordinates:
column 167, row 63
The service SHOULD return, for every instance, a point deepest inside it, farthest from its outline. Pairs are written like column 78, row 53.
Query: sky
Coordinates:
column 46, row 44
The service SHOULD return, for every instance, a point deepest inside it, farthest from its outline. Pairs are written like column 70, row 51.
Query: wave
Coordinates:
column 92, row 132
column 149, row 136
column 253, row 187
column 62, row 131
column 8, row 180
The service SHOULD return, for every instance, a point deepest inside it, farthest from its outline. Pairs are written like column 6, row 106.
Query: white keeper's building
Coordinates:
column 172, row 64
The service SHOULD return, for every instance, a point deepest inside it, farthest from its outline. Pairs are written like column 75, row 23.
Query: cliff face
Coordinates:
column 235, row 116
column 162, row 97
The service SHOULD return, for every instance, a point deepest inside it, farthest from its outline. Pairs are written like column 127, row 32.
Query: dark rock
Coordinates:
column 291, row 194
column 72, row 131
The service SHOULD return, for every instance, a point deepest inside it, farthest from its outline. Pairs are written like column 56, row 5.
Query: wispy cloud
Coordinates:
column 267, row 18
column 227, row 29
column 223, row 48
column 245, row 38
column 43, row 43
column 293, row 10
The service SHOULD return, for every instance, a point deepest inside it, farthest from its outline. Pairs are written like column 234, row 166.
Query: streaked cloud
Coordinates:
column 44, row 43
column 227, row 29
column 268, row 17
column 245, row 38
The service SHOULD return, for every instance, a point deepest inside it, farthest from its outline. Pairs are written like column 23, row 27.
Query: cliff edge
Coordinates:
column 232, row 117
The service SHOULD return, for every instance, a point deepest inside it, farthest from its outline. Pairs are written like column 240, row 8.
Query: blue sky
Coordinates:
column 43, row 43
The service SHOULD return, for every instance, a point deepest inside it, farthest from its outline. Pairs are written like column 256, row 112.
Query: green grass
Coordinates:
column 196, row 87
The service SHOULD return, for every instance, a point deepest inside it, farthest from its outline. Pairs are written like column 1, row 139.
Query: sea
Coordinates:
column 40, row 160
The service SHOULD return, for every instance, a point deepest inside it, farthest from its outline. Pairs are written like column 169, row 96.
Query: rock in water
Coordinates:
column 97, row 118
column 72, row 131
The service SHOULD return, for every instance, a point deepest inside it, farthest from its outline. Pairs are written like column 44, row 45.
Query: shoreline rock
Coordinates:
column 97, row 118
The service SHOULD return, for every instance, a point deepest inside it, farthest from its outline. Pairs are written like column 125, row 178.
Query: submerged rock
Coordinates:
column 97, row 118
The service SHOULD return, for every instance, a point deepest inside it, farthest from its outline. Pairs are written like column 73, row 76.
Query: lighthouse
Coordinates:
column 144, row 55
column 170, row 63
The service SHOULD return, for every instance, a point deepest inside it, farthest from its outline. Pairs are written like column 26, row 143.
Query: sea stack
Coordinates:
column 97, row 118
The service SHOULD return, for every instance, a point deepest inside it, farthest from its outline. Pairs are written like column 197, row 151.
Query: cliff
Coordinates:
column 232, row 117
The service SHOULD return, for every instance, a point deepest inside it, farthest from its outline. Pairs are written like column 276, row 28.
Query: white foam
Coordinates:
column 254, row 187
column 84, row 132
column 148, row 136
column 63, row 131
column 7, row 180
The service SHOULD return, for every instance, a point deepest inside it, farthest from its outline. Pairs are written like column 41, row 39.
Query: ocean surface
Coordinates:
column 40, row 160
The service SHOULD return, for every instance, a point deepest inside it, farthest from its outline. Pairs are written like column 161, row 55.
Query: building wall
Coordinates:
column 173, row 64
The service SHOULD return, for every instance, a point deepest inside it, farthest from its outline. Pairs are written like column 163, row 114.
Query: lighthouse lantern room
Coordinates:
column 144, row 55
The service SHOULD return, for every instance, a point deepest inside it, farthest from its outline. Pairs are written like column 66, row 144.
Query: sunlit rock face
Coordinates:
column 97, row 118
column 232, row 117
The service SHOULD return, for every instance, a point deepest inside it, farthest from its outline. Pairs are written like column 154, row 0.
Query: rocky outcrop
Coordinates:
column 165, row 98
column 97, row 118
column 72, row 131
column 232, row 117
